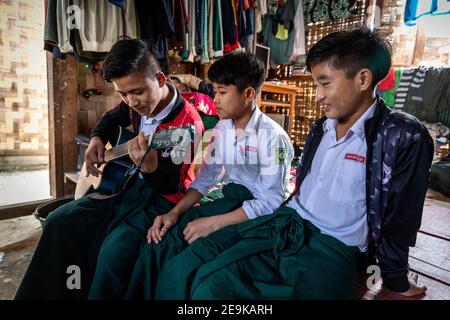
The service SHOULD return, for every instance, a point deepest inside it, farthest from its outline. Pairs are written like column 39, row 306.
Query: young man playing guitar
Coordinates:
column 95, row 234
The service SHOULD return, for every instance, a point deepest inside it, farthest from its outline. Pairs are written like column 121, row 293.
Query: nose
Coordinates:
column 216, row 99
column 132, row 101
column 320, row 96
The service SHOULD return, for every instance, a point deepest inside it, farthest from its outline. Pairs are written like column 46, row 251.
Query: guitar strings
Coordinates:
column 122, row 150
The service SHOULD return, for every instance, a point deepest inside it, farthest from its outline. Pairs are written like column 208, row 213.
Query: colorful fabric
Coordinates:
column 388, row 82
column 389, row 95
column 201, row 102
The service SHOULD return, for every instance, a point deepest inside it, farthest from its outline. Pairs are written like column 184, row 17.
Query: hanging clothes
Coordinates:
column 51, row 28
column 342, row 9
column 416, row 89
column 241, row 23
column 118, row 3
column 192, row 31
column 229, row 25
column 388, row 82
column 218, row 39
column 329, row 10
column 249, row 14
column 261, row 10
column 180, row 20
column 437, row 96
column 102, row 24
column 156, row 24
column 415, row 9
column 389, row 95
column 425, row 93
column 405, row 83
column 203, row 31
column 63, row 30
column 210, row 28
column 184, row 53
column 280, row 50
column 299, row 48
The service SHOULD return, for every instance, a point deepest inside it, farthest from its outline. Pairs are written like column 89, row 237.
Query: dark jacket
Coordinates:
column 399, row 155
column 170, row 179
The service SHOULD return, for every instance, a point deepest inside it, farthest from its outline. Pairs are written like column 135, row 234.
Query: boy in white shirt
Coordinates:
column 248, row 151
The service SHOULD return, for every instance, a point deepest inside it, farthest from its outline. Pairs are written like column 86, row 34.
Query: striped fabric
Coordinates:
column 410, row 86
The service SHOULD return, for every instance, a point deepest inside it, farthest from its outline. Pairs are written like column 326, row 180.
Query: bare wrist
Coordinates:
column 176, row 212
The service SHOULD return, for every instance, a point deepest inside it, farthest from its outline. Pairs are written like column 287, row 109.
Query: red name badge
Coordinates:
column 355, row 157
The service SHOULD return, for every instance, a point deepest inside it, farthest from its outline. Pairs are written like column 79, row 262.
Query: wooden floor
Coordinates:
column 430, row 258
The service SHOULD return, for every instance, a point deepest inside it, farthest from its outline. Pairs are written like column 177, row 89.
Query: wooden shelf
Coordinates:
column 275, row 103
column 279, row 88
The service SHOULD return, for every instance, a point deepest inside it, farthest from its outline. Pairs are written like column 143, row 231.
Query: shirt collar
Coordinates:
column 358, row 126
column 252, row 123
column 164, row 112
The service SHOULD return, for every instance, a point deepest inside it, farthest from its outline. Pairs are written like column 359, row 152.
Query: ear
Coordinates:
column 250, row 94
column 161, row 78
column 364, row 79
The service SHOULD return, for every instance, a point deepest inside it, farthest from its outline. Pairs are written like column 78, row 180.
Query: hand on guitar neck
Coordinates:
column 137, row 149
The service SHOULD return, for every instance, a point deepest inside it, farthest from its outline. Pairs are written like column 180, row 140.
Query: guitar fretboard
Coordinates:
column 159, row 140
column 121, row 150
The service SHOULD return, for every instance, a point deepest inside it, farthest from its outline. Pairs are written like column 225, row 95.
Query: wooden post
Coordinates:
column 63, row 121
column 419, row 47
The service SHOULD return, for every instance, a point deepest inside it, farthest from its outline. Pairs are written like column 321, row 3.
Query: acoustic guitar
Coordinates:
column 117, row 161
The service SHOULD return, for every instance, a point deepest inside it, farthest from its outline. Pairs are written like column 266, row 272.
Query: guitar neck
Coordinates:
column 121, row 150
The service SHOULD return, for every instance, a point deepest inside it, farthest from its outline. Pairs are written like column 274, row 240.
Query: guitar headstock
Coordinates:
column 171, row 137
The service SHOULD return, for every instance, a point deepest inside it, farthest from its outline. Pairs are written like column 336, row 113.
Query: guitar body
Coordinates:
column 112, row 171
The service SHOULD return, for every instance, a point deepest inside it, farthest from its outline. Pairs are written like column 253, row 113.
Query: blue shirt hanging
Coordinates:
column 434, row 8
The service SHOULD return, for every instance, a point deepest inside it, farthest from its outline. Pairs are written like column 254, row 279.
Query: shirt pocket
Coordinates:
column 349, row 185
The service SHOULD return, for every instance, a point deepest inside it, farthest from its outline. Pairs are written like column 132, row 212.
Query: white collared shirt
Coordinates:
column 149, row 124
column 333, row 194
column 258, row 159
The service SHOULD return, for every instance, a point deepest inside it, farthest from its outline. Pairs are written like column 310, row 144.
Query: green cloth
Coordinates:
column 389, row 95
column 120, row 249
column 217, row 29
column 51, row 28
column 154, row 256
column 209, row 122
column 279, row 256
column 74, row 234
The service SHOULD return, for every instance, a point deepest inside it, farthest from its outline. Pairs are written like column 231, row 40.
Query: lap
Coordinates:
column 321, row 267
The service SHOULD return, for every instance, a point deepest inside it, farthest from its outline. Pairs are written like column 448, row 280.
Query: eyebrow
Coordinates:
column 132, row 90
column 323, row 77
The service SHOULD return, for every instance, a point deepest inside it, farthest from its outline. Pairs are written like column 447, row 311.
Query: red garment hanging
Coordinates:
column 388, row 82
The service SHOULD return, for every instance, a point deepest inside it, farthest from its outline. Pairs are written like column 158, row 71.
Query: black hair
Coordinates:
column 352, row 51
column 128, row 56
column 241, row 69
